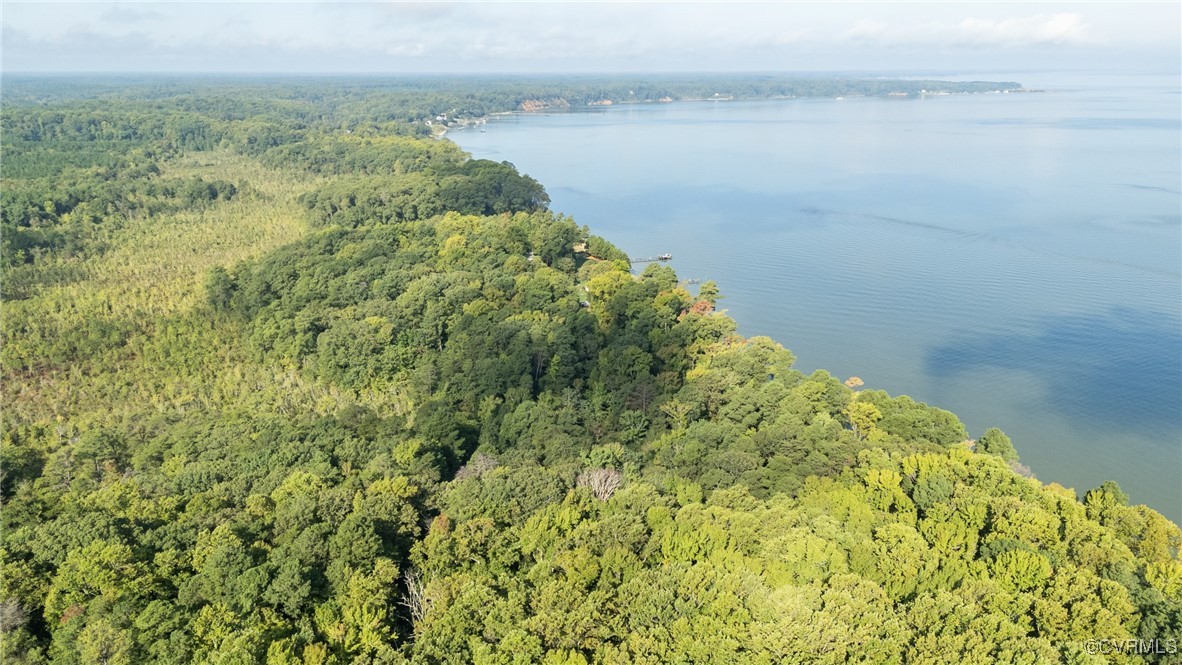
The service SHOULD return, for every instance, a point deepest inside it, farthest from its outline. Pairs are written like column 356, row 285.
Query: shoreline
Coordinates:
column 461, row 124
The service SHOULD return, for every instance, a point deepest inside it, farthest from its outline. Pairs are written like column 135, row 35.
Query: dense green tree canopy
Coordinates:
column 288, row 381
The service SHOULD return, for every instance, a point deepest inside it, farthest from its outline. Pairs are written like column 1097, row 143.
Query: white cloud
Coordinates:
column 1065, row 28
column 872, row 31
column 123, row 14
column 1057, row 29
column 575, row 36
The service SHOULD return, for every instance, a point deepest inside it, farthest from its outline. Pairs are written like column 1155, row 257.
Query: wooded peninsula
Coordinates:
column 288, row 379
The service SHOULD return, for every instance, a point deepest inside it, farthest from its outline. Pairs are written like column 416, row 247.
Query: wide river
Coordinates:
column 1013, row 258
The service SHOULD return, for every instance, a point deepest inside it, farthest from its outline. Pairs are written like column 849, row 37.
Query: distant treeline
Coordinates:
column 347, row 101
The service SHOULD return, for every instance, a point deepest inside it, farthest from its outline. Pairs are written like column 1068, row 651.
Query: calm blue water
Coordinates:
column 1014, row 258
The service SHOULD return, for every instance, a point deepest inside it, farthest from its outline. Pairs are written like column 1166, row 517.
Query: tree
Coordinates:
column 708, row 291
column 678, row 413
column 100, row 643
column 603, row 483
column 995, row 442
column 863, row 416
column 219, row 288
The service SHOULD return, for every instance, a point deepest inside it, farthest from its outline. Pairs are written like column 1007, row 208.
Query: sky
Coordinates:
column 572, row 37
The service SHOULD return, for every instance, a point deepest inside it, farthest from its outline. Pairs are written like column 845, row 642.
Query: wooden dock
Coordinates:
column 651, row 259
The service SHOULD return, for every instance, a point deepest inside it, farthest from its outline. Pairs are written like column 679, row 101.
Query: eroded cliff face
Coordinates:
column 543, row 104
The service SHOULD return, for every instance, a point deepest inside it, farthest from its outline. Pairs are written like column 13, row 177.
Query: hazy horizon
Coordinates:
column 433, row 38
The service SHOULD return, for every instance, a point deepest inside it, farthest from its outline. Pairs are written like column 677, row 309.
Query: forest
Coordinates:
column 288, row 380
column 347, row 100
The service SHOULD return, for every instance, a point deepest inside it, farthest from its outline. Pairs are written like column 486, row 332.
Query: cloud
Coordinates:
column 121, row 14
column 389, row 13
column 1034, row 30
column 563, row 36
column 1039, row 30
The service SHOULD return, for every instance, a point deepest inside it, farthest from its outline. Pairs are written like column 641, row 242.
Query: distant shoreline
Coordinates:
column 542, row 107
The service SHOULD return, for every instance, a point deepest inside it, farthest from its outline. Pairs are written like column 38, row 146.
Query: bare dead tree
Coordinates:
column 1022, row 470
column 603, row 483
column 12, row 615
column 476, row 466
column 416, row 600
